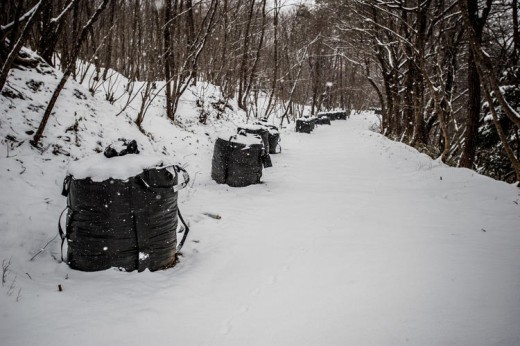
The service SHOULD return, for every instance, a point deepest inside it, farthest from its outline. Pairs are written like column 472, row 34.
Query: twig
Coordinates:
column 43, row 248
column 214, row 216
column 11, row 287
column 5, row 268
column 193, row 181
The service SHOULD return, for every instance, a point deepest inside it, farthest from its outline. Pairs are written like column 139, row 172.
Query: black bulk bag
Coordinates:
column 126, row 223
column 274, row 141
column 334, row 115
column 329, row 115
column 238, row 160
column 273, row 137
column 259, row 130
column 342, row 115
column 323, row 120
column 376, row 110
column 305, row 125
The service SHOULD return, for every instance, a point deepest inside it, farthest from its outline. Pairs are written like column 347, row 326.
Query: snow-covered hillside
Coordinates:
column 81, row 125
column 352, row 239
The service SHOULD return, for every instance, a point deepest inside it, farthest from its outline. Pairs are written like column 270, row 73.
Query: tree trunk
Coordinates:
column 257, row 57
column 474, row 92
column 68, row 71
column 275, row 60
column 17, row 46
column 108, row 60
column 168, row 57
column 190, row 35
column 245, row 53
column 473, row 115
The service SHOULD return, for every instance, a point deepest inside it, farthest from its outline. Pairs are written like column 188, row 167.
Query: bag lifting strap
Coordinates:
column 62, row 234
column 186, row 230
column 229, row 147
column 175, row 189
column 64, row 192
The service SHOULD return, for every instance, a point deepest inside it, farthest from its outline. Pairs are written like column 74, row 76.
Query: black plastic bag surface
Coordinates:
column 128, row 224
column 259, row 130
column 237, row 164
column 304, row 125
column 323, row 120
column 334, row 115
column 273, row 136
column 274, row 139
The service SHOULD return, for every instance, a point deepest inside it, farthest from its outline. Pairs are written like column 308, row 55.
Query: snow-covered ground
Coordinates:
column 352, row 239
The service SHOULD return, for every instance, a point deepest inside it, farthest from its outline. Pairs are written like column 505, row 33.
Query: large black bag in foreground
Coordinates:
column 238, row 160
column 126, row 223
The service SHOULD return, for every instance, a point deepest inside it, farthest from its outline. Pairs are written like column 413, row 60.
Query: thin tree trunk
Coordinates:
column 190, row 34
column 275, row 60
column 477, row 23
column 68, row 71
column 243, row 65
column 168, row 56
column 257, row 57
column 503, row 137
column 6, row 67
column 108, row 60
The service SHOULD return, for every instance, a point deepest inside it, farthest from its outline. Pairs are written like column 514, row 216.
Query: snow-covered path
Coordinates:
column 351, row 240
column 357, row 240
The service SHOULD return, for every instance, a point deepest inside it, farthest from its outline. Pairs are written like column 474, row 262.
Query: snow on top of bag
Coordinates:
column 100, row 168
column 273, row 131
column 248, row 139
column 253, row 127
column 259, row 126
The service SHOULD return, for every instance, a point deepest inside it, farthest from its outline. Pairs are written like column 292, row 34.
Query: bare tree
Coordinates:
column 68, row 71
column 29, row 18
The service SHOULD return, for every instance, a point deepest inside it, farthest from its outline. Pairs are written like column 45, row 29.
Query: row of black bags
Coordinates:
column 122, row 207
column 307, row 124
column 238, row 159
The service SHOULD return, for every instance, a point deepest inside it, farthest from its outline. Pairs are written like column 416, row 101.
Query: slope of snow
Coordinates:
column 351, row 240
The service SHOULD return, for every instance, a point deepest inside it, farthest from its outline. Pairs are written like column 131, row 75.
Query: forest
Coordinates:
column 443, row 74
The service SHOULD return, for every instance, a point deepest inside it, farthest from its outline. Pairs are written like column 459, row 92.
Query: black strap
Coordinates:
column 186, row 230
column 62, row 234
column 185, row 176
column 226, row 156
column 176, row 188
column 266, row 160
column 66, row 185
